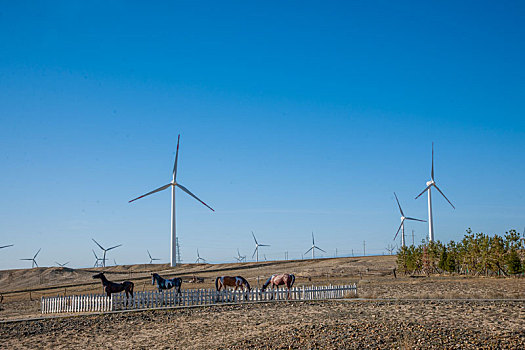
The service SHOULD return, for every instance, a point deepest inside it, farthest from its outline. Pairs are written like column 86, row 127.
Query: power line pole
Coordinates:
column 352, row 253
column 364, row 248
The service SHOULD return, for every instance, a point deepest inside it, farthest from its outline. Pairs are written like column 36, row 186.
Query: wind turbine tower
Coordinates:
column 313, row 248
column 33, row 259
column 257, row 245
column 431, row 183
column 402, row 226
column 150, row 258
column 105, row 251
column 199, row 259
column 173, row 184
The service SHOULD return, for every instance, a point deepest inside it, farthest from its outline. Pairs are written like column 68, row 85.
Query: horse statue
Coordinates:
column 222, row 282
column 112, row 287
column 166, row 283
column 279, row 280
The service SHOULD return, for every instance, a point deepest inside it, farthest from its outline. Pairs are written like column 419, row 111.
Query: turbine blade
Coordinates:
column 308, row 250
column 255, row 239
column 415, row 219
column 423, row 191
column 264, row 245
column 194, row 196
column 154, row 191
column 94, row 254
column 176, row 159
column 432, row 172
column 37, row 253
column 399, row 205
column 255, row 251
column 149, row 254
column 26, row 259
column 5, row 246
column 66, row 263
column 34, row 261
column 98, row 244
column 437, row 188
column 114, row 247
column 313, row 241
column 320, row 249
column 397, row 232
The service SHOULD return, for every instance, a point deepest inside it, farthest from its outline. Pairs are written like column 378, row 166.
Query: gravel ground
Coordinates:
column 282, row 325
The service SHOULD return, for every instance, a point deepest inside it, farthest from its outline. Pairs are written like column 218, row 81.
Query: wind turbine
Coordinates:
column 429, row 186
column 97, row 259
column 5, row 246
column 239, row 257
column 402, row 226
column 150, row 258
column 257, row 245
column 61, row 265
column 33, row 259
column 199, row 258
column 314, row 247
column 173, row 184
column 105, row 251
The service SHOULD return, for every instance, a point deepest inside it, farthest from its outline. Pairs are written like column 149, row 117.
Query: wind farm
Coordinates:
column 300, row 134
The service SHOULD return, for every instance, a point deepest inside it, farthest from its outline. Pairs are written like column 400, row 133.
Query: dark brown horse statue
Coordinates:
column 279, row 280
column 112, row 287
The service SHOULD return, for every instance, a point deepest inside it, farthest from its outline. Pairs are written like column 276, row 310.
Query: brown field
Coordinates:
column 403, row 312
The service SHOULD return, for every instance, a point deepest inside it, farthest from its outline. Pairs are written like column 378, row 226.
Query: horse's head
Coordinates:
column 266, row 284
column 99, row 275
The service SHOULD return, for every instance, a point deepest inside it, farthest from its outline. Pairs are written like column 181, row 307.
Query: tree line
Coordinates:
column 476, row 254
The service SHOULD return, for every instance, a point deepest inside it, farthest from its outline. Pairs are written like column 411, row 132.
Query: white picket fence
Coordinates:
column 188, row 297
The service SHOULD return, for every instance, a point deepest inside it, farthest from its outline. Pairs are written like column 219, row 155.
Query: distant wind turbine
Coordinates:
column 150, row 258
column 173, row 184
column 257, row 245
column 239, row 257
column 5, row 246
column 429, row 186
column 402, row 226
column 33, row 259
column 105, row 251
column 61, row 265
column 313, row 248
column 97, row 259
column 199, row 258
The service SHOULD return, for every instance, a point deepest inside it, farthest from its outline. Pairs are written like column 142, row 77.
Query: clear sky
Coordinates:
column 294, row 117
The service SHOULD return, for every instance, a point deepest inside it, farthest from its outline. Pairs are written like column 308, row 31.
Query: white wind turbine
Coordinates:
column 105, row 251
column 173, row 184
column 239, row 257
column 97, row 259
column 429, row 186
column 199, row 258
column 402, row 226
column 61, row 265
column 150, row 258
column 257, row 245
column 313, row 248
column 33, row 259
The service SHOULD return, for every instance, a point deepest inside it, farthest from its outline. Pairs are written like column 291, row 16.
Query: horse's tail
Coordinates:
column 217, row 283
column 293, row 280
column 131, row 285
column 265, row 285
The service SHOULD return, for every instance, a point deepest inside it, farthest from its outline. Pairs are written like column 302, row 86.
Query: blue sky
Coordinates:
column 294, row 117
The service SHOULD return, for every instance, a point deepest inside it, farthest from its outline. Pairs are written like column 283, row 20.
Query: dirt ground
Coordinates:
column 404, row 312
